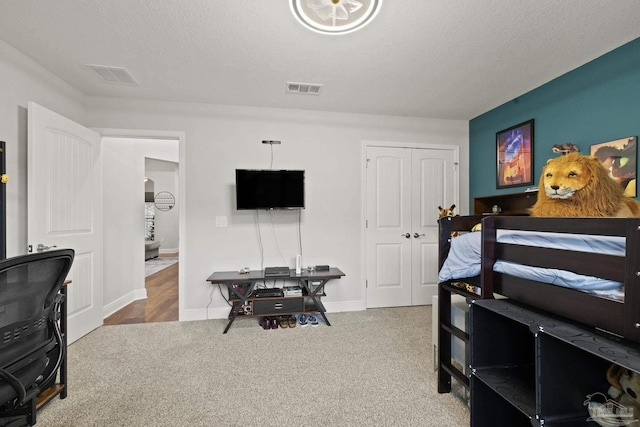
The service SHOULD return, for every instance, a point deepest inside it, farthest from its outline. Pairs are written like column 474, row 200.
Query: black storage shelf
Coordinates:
column 509, row 204
column 532, row 368
column 234, row 298
column 516, row 384
column 598, row 343
column 242, row 288
column 504, row 343
column 275, row 306
column 309, row 306
column 574, row 422
column 490, row 409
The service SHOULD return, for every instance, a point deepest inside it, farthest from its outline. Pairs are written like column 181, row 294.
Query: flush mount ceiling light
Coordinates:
column 334, row 16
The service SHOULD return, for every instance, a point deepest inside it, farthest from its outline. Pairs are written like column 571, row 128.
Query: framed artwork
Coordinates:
column 619, row 158
column 514, row 147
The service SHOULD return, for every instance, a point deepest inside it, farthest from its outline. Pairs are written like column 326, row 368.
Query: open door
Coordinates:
column 65, row 207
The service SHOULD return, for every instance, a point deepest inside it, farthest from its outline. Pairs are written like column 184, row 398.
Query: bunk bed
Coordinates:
column 610, row 303
column 3, row 201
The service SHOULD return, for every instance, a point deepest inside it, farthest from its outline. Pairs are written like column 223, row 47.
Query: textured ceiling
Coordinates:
column 451, row 59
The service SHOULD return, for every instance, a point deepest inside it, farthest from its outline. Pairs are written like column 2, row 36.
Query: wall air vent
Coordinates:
column 113, row 74
column 304, row 88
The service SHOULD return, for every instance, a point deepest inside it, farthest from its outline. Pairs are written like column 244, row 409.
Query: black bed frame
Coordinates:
column 621, row 318
column 446, row 329
column 3, row 204
column 618, row 317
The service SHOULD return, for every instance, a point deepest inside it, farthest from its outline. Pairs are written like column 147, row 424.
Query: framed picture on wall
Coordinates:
column 619, row 158
column 514, row 147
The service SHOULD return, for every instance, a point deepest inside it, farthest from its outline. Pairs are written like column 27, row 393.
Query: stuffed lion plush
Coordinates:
column 578, row 185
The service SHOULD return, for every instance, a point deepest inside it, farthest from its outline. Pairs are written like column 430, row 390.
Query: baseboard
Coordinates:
column 169, row 250
column 344, row 306
column 123, row 301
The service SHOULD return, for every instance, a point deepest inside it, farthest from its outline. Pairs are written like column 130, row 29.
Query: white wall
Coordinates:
column 165, row 177
column 220, row 139
column 123, row 183
column 21, row 81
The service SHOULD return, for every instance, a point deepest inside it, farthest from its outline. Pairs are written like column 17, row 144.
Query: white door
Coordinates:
column 405, row 186
column 64, row 194
column 433, row 182
column 388, row 223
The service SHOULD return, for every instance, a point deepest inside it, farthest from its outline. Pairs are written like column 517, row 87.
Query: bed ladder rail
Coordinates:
column 446, row 330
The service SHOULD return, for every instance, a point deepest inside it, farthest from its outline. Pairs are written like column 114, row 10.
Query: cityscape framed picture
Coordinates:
column 514, row 148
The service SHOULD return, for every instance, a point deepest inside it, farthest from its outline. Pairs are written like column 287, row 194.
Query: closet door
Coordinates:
column 433, row 185
column 405, row 186
column 388, row 227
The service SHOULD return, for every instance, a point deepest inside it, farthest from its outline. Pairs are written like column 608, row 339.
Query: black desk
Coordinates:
column 241, row 286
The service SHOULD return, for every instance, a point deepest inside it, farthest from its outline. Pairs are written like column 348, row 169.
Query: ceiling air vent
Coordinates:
column 113, row 74
column 304, row 88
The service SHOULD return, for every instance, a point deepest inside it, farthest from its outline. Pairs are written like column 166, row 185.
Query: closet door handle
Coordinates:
column 416, row 235
column 407, row 235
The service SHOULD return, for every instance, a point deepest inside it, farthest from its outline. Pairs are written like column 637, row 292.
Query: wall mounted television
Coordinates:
column 269, row 189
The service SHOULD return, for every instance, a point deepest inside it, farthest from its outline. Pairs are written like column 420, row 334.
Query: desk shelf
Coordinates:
column 235, row 298
column 241, row 286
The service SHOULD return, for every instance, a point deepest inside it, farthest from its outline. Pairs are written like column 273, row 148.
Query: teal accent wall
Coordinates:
column 597, row 102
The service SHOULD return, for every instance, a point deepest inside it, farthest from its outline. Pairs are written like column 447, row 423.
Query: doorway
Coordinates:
column 404, row 187
column 127, row 294
column 161, row 303
column 161, row 237
column 108, row 273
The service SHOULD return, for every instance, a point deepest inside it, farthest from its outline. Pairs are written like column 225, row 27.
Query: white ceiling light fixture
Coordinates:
column 335, row 16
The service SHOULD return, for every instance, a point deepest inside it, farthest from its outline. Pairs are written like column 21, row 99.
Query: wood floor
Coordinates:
column 161, row 304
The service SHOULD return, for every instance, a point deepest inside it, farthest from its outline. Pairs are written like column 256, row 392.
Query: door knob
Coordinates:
column 42, row 248
column 416, row 235
column 407, row 235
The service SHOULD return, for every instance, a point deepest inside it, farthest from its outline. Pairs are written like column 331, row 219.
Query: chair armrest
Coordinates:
column 15, row 384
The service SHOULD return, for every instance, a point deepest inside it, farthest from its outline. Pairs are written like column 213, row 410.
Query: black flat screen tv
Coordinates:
column 269, row 189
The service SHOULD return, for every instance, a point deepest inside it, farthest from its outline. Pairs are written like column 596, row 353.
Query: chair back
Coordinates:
column 29, row 292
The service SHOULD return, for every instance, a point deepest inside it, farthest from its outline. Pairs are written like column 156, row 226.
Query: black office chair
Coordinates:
column 31, row 346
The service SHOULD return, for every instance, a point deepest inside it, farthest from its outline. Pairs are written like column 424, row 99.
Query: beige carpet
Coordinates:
column 371, row 368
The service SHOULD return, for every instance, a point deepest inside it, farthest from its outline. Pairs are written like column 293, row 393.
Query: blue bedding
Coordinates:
column 464, row 259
